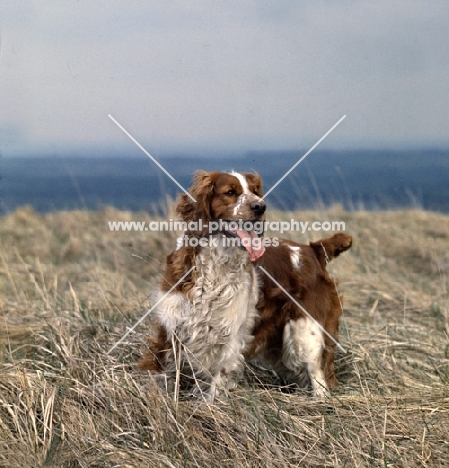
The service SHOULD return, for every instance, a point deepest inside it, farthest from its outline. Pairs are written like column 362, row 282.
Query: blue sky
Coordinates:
column 234, row 75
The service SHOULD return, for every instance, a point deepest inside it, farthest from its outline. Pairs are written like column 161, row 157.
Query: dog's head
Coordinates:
column 227, row 197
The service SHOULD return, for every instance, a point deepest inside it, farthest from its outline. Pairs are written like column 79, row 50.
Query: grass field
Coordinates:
column 70, row 289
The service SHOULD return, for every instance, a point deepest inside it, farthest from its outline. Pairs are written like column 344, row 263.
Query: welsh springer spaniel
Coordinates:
column 205, row 323
column 209, row 321
column 286, row 339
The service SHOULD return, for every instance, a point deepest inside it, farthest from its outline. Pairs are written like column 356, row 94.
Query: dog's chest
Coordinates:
column 220, row 308
column 223, row 288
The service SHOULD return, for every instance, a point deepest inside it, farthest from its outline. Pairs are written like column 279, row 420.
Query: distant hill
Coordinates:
column 370, row 179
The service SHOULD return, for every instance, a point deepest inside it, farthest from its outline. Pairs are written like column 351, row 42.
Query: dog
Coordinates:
column 285, row 338
column 205, row 317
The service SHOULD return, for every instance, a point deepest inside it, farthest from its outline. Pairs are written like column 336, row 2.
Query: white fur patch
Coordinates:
column 242, row 198
column 295, row 256
column 303, row 345
column 242, row 179
column 173, row 311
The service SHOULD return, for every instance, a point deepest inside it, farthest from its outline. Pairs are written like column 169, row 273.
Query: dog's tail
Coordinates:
column 331, row 247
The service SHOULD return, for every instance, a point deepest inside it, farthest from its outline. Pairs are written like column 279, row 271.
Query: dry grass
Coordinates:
column 70, row 288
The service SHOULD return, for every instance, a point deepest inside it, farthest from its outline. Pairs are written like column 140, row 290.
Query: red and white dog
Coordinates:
column 205, row 324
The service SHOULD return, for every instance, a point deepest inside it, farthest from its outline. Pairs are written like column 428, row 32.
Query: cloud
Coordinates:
column 231, row 74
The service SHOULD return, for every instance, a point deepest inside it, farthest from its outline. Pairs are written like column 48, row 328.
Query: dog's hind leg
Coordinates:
column 303, row 345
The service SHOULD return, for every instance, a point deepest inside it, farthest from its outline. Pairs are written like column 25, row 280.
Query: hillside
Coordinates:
column 70, row 289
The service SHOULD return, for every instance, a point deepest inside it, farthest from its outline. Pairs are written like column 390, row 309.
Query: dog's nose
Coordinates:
column 258, row 207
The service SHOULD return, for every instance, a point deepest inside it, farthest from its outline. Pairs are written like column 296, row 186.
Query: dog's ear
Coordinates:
column 186, row 208
column 255, row 179
column 202, row 191
column 327, row 249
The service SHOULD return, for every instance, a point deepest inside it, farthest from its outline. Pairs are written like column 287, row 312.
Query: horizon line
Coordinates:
column 105, row 152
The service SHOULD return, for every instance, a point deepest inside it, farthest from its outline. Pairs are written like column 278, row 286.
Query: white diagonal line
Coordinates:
column 304, row 157
column 302, row 308
column 149, row 311
column 151, row 157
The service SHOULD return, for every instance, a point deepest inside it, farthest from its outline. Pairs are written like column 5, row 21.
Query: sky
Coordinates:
column 201, row 76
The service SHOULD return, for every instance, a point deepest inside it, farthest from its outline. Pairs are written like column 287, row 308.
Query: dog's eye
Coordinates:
column 230, row 192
